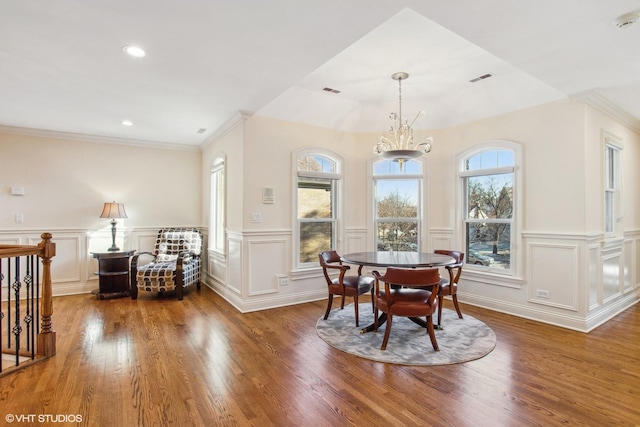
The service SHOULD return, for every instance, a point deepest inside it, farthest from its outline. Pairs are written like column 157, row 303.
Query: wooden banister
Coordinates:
column 45, row 250
column 47, row 336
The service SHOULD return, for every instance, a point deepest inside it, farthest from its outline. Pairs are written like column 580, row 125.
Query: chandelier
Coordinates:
column 398, row 144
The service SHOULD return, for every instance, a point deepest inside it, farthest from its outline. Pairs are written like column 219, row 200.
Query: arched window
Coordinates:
column 316, row 204
column 397, row 205
column 217, row 207
column 488, row 177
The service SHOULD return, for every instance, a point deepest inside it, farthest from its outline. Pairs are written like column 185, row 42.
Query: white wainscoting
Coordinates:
column 554, row 274
column 356, row 240
column 259, row 272
column 441, row 238
column 73, row 268
column 571, row 280
column 265, row 270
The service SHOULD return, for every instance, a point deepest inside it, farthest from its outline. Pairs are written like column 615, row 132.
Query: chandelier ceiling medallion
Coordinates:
column 398, row 144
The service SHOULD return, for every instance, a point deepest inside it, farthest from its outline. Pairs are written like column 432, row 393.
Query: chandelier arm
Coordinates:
column 398, row 145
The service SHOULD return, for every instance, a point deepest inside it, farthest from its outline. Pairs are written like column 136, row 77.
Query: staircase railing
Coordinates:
column 26, row 304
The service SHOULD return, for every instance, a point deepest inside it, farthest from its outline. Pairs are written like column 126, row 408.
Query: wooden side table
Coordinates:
column 113, row 274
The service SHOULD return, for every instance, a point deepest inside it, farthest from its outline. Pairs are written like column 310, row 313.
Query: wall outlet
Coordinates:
column 256, row 217
column 543, row 294
column 19, row 218
column 283, row 280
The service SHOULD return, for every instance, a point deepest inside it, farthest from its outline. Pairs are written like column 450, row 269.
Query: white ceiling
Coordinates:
column 62, row 68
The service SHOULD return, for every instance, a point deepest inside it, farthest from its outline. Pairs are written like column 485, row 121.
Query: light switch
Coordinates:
column 17, row 191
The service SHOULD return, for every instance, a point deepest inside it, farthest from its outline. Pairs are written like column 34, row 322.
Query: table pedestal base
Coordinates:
column 383, row 318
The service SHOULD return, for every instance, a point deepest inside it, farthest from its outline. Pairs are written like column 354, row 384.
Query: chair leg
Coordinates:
column 355, row 305
column 373, row 301
column 454, row 297
column 329, row 304
column 432, row 333
column 375, row 319
column 387, row 332
column 344, row 297
column 440, row 304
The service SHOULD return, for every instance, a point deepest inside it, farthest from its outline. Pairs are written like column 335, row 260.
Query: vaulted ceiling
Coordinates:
column 62, row 67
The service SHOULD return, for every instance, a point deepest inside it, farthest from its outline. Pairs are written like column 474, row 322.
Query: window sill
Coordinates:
column 492, row 278
column 306, row 273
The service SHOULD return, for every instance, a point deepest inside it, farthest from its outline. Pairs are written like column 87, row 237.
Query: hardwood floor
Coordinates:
column 199, row 362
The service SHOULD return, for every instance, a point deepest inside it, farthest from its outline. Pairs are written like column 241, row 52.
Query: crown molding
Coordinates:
column 604, row 105
column 234, row 121
column 96, row 138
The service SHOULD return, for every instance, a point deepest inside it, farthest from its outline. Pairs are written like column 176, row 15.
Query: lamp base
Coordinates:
column 113, row 249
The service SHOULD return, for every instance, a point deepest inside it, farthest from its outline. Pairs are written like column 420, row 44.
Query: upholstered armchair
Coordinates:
column 175, row 265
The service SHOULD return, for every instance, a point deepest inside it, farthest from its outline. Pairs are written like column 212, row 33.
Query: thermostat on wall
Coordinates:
column 268, row 195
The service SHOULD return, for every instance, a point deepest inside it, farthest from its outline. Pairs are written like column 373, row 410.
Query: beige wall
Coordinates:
column 67, row 182
column 560, row 220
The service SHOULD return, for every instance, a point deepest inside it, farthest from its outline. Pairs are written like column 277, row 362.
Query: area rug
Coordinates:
column 460, row 340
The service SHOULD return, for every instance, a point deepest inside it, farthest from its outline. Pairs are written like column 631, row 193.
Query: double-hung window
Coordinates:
column 317, row 194
column 217, row 207
column 488, row 178
column 612, row 186
column 397, row 210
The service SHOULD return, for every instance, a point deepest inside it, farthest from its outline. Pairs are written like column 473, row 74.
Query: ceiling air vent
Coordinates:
column 202, row 130
column 477, row 79
column 328, row 89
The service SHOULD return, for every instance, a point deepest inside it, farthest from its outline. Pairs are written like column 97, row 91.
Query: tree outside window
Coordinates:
column 316, row 211
column 397, row 205
column 489, row 190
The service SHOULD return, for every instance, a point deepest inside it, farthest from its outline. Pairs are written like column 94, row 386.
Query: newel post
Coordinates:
column 47, row 336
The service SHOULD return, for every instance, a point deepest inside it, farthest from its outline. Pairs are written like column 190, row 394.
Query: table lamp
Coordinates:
column 113, row 210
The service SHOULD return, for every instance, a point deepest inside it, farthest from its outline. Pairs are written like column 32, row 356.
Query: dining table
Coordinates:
column 400, row 259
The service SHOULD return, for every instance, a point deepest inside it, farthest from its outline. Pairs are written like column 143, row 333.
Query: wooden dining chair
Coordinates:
column 449, row 286
column 344, row 285
column 404, row 294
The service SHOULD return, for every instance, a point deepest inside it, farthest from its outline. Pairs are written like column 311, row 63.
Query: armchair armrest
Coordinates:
column 134, row 260
column 338, row 267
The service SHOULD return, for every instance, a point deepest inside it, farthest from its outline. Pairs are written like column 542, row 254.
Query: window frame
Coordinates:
column 336, row 194
column 612, row 156
column 217, row 225
column 462, row 176
column 418, row 177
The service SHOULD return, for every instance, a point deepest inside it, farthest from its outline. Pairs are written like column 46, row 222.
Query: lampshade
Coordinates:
column 113, row 210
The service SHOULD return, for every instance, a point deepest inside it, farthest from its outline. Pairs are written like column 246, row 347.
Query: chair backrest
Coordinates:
column 410, row 277
column 414, row 277
column 459, row 257
column 328, row 257
column 171, row 242
column 331, row 260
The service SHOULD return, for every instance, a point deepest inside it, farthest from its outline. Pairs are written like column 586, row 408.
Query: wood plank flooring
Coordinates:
column 199, row 362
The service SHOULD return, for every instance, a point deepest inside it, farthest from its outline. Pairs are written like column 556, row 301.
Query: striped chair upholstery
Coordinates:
column 176, row 263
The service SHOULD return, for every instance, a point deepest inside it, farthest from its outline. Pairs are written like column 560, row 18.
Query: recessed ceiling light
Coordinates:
column 626, row 20
column 134, row 51
column 127, row 123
